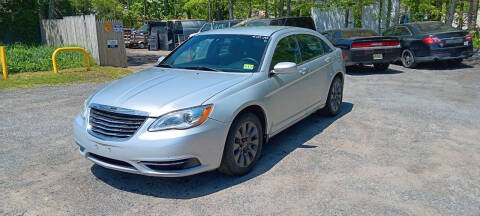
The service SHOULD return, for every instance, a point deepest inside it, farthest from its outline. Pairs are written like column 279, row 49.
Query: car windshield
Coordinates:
column 222, row 52
column 433, row 27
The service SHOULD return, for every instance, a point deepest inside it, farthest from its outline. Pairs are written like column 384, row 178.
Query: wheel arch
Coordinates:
column 257, row 110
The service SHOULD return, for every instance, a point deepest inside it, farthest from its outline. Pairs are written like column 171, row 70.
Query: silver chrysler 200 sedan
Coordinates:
column 211, row 103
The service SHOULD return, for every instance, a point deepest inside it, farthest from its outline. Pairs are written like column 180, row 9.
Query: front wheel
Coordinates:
column 334, row 99
column 381, row 66
column 243, row 145
column 408, row 59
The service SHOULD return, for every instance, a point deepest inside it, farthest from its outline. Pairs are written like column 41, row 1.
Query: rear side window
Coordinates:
column 402, row 31
column 311, row 47
column 287, row 50
column 389, row 32
column 433, row 27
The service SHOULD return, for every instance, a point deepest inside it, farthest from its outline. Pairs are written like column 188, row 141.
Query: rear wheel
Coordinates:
column 142, row 46
column 381, row 66
column 334, row 99
column 243, row 146
column 408, row 59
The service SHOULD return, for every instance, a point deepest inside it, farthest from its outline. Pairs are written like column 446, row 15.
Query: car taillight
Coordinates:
column 374, row 44
column 344, row 56
column 432, row 40
column 468, row 37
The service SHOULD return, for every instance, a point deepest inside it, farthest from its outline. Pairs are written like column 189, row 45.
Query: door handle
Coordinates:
column 328, row 59
column 302, row 71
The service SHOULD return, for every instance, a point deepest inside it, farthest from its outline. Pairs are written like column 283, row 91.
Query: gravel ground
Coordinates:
column 406, row 143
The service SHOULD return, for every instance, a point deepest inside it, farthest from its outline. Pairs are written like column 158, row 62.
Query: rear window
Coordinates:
column 359, row 33
column 433, row 27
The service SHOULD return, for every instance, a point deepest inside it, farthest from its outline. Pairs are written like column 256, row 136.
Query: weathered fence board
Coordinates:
column 87, row 32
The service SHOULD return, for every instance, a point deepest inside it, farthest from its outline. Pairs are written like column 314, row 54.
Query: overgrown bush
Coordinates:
column 31, row 58
column 476, row 39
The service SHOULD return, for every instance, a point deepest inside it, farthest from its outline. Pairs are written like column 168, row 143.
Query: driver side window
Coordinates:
column 287, row 50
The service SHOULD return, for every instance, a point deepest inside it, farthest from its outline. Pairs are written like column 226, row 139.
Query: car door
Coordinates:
column 317, row 58
column 286, row 100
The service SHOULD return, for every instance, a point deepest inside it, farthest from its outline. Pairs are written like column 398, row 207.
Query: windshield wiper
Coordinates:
column 165, row 65
column 200, row 68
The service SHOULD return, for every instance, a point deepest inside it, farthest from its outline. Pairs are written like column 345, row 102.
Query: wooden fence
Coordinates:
column 102, row 38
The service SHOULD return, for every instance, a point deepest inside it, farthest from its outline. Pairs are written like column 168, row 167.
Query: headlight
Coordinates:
column 182, row 119
column 85, row 107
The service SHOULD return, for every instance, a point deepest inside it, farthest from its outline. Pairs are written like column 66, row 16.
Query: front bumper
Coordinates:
column 200, row 149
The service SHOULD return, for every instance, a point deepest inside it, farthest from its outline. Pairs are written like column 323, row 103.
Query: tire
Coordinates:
column 142, row 46
column 408, row 59
column 381, row 66
column 241, row 146
column 334, row 99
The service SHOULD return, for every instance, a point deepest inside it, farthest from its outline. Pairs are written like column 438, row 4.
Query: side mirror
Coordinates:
column 285, row 68
column 160, row 59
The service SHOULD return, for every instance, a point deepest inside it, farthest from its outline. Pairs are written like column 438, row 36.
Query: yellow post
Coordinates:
column 54, row 55
column 4, row 62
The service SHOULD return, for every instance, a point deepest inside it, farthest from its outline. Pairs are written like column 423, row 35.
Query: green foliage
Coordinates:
column 476, row 39
column 69, row 76
column 30, row 58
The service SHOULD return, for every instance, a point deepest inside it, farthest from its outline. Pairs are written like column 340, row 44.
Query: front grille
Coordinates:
column 108, row 125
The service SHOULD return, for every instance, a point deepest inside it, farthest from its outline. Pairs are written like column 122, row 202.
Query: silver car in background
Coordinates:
column 211, row 103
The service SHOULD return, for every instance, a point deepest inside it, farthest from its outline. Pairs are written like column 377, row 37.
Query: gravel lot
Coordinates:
column 406, row 143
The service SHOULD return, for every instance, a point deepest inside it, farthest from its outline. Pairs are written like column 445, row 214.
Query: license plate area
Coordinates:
column 377, row 56
column 454, row 41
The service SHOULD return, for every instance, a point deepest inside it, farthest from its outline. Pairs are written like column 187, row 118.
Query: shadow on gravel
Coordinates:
column 364, row 71
column 137, row 60
column 211, row 182
column 442, row 65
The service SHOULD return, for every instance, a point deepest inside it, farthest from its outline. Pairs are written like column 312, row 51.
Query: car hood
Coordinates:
column 161, row 90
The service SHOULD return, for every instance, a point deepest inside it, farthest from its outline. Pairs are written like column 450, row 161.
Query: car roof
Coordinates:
column 254, row 30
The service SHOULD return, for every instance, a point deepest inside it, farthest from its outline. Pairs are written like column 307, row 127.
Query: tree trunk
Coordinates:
column 472, row 15
column 219, row 10
column 249, row 8
column 460, row 15
column 380, row 16
column 167, row 8
column 230, row 9
column 266, row 8
column 347, row 16
column 280, row 8
column 389, row 13
column 144, row 9
column 209, row 11
column 274, row 9
column 451, row 12
column 289, row 2
column 397, row 12
column 51, row 9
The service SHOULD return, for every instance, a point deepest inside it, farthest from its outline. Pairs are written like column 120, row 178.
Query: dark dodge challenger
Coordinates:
column 363, row 46
column 431, row 41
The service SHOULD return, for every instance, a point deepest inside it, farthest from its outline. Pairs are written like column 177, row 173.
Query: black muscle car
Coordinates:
column 431, row 41
column 363, row 46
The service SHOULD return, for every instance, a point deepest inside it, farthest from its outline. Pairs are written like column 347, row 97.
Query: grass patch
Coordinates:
column 64, row 77
column 32, row 58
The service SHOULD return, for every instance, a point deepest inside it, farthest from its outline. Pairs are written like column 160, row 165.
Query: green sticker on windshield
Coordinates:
column 248, row 66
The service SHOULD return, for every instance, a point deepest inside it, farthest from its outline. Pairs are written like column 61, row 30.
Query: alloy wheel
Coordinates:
column 246, row 144
column 336, row 95
column 407, row 58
